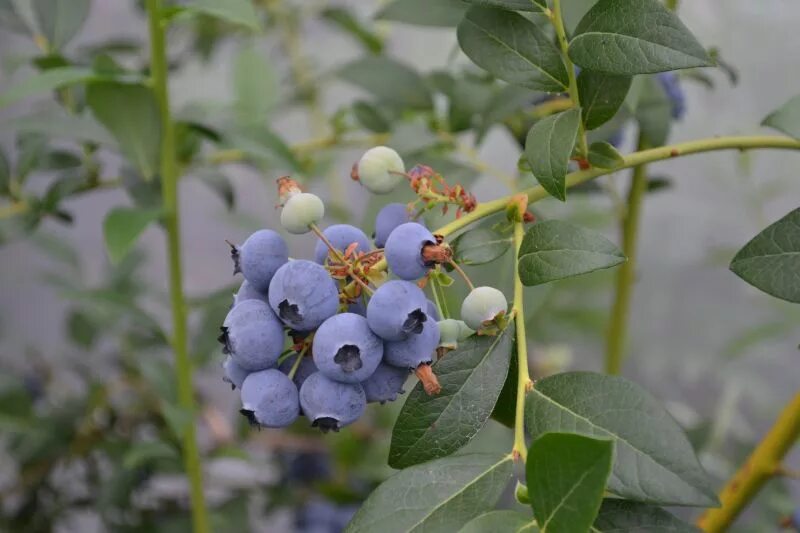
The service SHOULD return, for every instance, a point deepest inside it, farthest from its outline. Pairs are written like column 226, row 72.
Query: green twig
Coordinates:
column 561, row 34
column 617, row 332
column 524, row 383
column 169, row 181
column 439, row 298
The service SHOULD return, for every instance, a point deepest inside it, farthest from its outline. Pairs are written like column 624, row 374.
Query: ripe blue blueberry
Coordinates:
column 385, row 383
column 672, row 87
column 248, row 292
column 270, row 399
column 388, row 218
column 380, row 169
column 305, row 369
column 432, row 311
column 331, row 405
column 300, row 211
column 397, row 310
column 252, row 335
column 261, row 255
column 340, row 236
column 403, row 250
column 233, row 373
column 415, row 350
column 482, row 304
column 345, row 349
column 303, row 295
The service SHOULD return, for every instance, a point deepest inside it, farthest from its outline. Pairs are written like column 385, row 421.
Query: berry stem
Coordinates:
column 169, row 179
column 561, row 34
column 617, row 332
column 297, row 361
column 524, row 383
column 461, row 273
column 439, row 299
column 286, row 354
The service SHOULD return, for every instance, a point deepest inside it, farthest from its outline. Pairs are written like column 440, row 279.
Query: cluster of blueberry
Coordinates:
column 348, row 343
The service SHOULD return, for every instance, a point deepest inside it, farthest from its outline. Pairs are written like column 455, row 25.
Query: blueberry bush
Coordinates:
column 383, row 312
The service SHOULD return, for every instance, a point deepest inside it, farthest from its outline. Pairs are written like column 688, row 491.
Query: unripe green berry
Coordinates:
column 481, row 305
column 448, row 333
column 300, row 211
column 380, row 169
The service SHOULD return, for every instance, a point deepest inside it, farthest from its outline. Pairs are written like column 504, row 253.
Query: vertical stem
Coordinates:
column 561, row 34
column 439, row 299
column 524, row 383
column 617, row 333
column 169, row 185
column 763, row 463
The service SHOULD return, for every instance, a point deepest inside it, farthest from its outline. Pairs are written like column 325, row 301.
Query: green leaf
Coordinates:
column 143, row 453
column 349, row 23
column 601, row 96
column 604, row 155
column 653, row 111
column 771, row 260
column 495, row 521
column 554, row 249
column 505, row 409
column 234, row 11
column 388, row 80
column 443, row 13
column 57, row 123
column 255, row 86
column 481, row 245
column 654, row 461
column 566, row 477
column 621, row 515
column 512, row 48
column 130, row 113
column 786, row 118
column 511, row 5
column 60, row 20
column 471, row 377
column 81, row 329
column 548, row 148
column 122, row 227
column 634, row 37
column 370, row 117
column 439, row 496
column 48, row 80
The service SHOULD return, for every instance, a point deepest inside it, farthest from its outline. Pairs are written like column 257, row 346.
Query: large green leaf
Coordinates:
column 471, row 377
column 234, row 11
column 601, row 96
column 654, row 461
column 621, row 515
column 512, row 5
column 439, row 496
column 512, row 48
column 786, row 118
column 494, row 521
column 255, row 86
column 60, row 20
column 480, row 245
column 566, row 476
column 48, row 80
column 57, row 123
column 445, row 13
column 388, row 80
column 122, row 227
column 130, row 113
column 634, row 37
column 548, row 148
column 554, row 249
column 771, row 260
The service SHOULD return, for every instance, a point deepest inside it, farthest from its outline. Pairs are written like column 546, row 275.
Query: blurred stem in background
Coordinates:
column 617, row 332
column 169, row 180
column 763, row 464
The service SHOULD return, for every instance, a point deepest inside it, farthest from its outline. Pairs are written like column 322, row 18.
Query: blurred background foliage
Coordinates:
column 88, row 414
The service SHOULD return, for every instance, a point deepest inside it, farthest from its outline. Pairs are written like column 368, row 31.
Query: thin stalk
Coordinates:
column 169, row 180
column 617, row 332
column 439, row 299
column 524, row 383
column 537, row 193
column 762, row 464
column 296, row 363
column 561, row 34
column 463, row 274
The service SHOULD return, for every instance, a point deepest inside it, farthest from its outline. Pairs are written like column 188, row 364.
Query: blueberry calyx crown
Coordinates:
column 250, row 416
column 349, row 358
column 414, row 322
column 289, row 312
column 237, row 267
column 326, row 424
column 225, row 339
